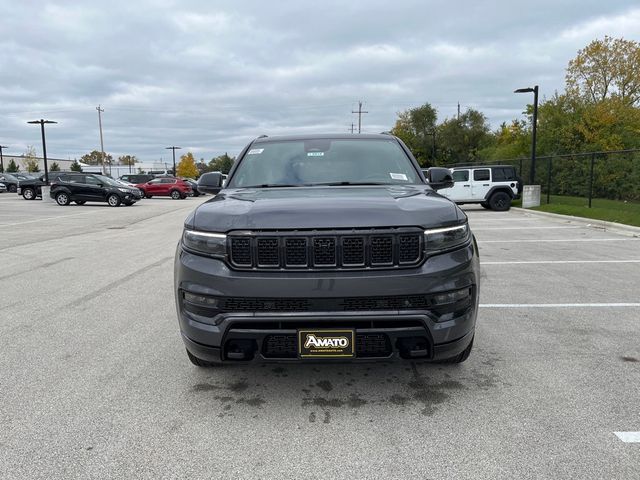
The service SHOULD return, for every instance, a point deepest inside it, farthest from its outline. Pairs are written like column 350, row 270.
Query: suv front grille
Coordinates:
column 350, row 249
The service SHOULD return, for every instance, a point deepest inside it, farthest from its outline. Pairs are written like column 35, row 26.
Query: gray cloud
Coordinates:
column 210, row 76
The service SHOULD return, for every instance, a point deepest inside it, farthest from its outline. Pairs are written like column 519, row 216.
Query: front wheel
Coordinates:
column 500, row 202
column 13, row 188
column 113, row 200
column 28, row 194
column 175, row 194
column 63, row 199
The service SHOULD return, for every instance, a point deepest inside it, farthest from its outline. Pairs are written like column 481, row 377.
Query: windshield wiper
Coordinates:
column 337, row 184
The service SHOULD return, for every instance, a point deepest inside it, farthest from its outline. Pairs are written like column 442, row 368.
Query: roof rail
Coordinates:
column 386, row 133
column 262, row 136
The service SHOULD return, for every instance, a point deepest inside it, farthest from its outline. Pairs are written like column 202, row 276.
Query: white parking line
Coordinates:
column 544, row 262
column 557, row 305
column 46, row 218
column 628, row 437
column 563, row 240
column 521, row 228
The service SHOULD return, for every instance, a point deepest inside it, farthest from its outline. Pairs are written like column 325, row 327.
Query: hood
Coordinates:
column 324, row 207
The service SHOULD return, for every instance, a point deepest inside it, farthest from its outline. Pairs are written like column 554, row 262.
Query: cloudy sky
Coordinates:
column 211, row 75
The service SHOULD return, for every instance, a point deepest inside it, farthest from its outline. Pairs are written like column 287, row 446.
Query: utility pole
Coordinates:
column 359, row 112
column 100, row 110
column 44, row 147
column 2, row 158
column 174, row 158
column 458, row 110
column 352, row 127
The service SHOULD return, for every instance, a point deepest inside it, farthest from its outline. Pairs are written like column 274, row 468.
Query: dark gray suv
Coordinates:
column 326, row 247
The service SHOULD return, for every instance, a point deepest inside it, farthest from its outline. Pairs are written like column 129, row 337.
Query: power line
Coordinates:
column 359, row 112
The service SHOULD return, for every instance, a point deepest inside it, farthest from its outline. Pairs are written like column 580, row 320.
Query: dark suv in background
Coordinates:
column 327, row 247
column 83, row 187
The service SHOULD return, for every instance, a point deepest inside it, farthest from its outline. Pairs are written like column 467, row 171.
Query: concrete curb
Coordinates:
column 620, row 228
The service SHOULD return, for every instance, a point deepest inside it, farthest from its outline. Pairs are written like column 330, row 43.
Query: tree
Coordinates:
column 221, row 163
column 12, row 168
column 461, row 139
column 95, row 158
column 54, row 167
column 416, row 128
column 202, row 166
column 30, row 161
column 127, row 160
column 187, row 166
column 75, row 166
column 608, row 68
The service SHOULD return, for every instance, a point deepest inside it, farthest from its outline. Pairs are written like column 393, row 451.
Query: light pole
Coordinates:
column 44, row 147
column 174, row 157
column 535, row 124
column 2, row 147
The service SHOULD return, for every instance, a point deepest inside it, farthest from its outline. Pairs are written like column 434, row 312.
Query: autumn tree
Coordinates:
column 95, row 158
column 30, row 160
column 187, row 166
column 608, row 68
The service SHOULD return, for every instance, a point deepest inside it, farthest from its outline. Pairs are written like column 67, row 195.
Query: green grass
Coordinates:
column 601, row 209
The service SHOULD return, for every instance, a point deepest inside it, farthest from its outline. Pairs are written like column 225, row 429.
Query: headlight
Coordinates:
column 437, row 239
column 214, row 244
column 123, row 190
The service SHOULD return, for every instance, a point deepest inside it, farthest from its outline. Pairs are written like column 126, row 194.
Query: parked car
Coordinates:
column 136, row 178
column 492, row 186
column 81, row 188
column 3, row 188
column 194, row 186
column 175, row 188
column 10, row 181
column 323, row 248
column 30, row 189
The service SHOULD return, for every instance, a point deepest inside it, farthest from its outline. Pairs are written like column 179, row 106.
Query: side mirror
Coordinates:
column 439, row 177
column 210, row 182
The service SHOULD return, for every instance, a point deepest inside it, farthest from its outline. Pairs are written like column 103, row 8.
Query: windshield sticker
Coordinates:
column 255, row 151
column 315, row 154
column 399, row 176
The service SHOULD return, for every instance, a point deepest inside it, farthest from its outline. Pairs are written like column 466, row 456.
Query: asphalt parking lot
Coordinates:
column 95, row 382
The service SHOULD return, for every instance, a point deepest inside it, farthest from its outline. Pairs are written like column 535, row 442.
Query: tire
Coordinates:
column 485, row 205
column 12, row 188
column 63, row 199
column 461, row 357
column 500, row 202
column 80, row 202
column 113, row 200
column 28, row 193
column 176, row 195
column 200, row 363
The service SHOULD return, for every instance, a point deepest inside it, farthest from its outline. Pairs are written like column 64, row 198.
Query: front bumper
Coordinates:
column 217, row 336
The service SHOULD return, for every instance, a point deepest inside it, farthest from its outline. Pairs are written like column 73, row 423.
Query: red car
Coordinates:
column 165, row 187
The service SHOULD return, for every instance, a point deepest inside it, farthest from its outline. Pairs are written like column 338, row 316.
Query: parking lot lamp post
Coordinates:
column 44, row 147
column 2, row 147
column 174, row 157
column 535, row 124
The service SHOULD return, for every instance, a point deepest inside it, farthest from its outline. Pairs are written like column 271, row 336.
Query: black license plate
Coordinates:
column 326, row 343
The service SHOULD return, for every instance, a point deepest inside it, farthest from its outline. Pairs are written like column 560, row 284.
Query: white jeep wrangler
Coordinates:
column 492, row 186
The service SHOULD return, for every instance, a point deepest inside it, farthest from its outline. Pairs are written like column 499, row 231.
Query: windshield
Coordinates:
column 324, row 161
column 109, row 181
